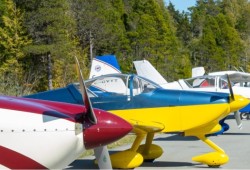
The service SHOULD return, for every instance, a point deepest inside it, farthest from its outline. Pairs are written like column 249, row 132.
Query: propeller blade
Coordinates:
column 238, row 119
column 236, row 113
column 102, row 157
column 230, row 87
column 86, row 100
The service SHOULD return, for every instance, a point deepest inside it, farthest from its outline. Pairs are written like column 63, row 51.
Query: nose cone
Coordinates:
column 108, row 129
column 238, row 103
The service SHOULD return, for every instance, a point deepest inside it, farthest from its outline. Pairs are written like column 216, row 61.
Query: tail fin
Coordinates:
column 198, row 71
column 145, row 69
column 102, row 65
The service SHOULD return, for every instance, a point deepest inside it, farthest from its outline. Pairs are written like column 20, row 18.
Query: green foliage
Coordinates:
column 13, row 39
column 218, row 43
column 53, row 28
column 214, row 33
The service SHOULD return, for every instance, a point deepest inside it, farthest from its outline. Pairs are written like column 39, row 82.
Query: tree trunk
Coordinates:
column 49, row 71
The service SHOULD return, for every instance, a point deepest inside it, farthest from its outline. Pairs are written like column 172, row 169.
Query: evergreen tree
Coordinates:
column 52, row 27
column 152, row 36
column 13, row 39
column 217, row 40
column 100, row 26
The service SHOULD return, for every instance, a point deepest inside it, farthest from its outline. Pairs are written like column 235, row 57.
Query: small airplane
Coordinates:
column 145, row 69
column 151, row 109
column 40, row 134
column 214, row 82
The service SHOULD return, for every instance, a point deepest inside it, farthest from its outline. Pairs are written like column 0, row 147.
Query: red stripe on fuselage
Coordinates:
column 14, row 160
column 70, row 111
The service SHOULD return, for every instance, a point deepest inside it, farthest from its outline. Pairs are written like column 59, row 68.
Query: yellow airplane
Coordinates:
column 151, row 109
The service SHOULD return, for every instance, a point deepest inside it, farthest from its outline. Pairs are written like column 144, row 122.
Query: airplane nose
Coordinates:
column 238, row 103
column 108, row 129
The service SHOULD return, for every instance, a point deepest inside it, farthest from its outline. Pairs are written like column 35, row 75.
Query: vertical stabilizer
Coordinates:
column 102, row 65
column 198, row 71
column 145, row 69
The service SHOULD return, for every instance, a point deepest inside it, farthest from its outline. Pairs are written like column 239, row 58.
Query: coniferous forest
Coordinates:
column 39, row 38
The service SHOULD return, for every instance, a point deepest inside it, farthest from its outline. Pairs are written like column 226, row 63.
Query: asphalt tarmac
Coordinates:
column 178, row 150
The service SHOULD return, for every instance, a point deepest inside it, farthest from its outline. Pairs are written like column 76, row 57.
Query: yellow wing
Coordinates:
column 146, row 127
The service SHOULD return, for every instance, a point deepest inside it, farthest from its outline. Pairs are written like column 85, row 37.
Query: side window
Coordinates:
column 223, row 84
column 146, row 86
column 136, row 86
column 202, row 82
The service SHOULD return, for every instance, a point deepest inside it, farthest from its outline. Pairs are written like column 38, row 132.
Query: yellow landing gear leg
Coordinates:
column 150, row 151
column 128, row 159
column 212, row 159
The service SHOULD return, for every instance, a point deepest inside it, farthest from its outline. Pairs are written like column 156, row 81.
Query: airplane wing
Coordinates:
column 235, row 76
column 142, row 127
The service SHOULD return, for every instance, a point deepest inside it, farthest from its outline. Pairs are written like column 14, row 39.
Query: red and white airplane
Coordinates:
column 38, row 134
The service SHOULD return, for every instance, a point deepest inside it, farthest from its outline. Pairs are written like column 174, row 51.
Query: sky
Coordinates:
column 181, row 4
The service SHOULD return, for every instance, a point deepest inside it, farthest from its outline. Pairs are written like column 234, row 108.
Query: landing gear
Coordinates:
column 137, row 154
column 150, row 151
column 212, row 159
column 130, row 158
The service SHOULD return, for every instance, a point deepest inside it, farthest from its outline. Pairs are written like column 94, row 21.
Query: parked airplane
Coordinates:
column 216, row 81
column 151, row 109
column 40, row 134
column 145, row 69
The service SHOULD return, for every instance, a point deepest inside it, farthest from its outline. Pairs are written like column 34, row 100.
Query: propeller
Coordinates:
column 89, row 109
column 236, row 113
column 101, row 153
column 230, row 88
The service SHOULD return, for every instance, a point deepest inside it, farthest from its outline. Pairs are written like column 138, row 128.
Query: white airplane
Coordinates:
column 216, row 81
column 38, row 134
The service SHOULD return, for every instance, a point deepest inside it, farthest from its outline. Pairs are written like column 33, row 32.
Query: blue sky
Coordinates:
column 182, row 4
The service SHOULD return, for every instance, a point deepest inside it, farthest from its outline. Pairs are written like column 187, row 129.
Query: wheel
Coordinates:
column 244, row 116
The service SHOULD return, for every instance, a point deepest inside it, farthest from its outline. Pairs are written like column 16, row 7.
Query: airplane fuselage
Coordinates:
column 37, row 139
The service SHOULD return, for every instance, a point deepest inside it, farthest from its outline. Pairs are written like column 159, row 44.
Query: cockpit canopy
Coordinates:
column 119, row 84
column 207, row 82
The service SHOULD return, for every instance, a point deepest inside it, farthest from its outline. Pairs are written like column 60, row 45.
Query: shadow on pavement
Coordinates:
column 83, row 164
column 168, row 164
column 177, row 138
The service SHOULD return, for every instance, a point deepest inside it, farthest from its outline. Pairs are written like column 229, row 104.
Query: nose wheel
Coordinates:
column 212, row 159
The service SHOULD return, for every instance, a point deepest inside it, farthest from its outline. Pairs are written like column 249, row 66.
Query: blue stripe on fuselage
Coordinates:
column 155, row 98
